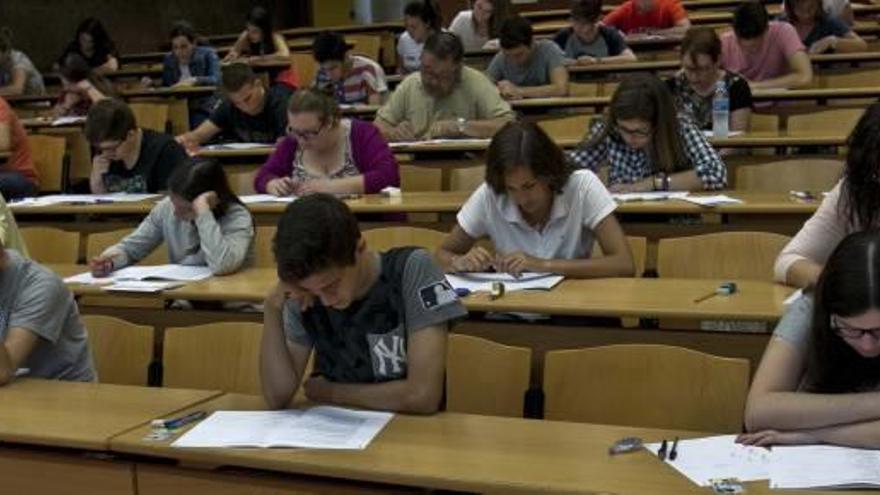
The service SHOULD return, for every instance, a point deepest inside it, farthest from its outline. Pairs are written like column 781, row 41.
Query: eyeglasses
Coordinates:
column 305, row 135
column 848, row 332
column 109, row 149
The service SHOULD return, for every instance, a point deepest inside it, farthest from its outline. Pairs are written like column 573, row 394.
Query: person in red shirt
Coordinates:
column 659, row 17
column 18, row 177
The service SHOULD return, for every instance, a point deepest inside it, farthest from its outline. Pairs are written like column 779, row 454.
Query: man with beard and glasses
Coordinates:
column 444, row 100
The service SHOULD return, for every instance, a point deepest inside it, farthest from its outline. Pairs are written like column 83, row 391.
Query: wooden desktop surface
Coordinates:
column 451, row 451
column 83, row 415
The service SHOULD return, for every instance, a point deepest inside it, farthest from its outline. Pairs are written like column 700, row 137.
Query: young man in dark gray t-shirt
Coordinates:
column 377, row 321
column 525, row 68
column 40, row 331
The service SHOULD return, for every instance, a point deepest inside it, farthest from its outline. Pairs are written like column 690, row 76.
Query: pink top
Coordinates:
column 771, row 61
column 819, row 236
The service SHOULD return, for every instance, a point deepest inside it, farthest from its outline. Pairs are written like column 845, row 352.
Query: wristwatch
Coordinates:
column 462, row 123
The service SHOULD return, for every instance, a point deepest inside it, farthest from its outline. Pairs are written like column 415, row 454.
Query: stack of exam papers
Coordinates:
column 322, row 427
column 250, row 199
column 236, row 146
column 649, row 196
column 482, row 281
column 144, row 278
column 60, row 199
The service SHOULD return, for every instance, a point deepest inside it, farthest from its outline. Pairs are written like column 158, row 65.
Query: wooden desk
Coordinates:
column 83, row 415
column 451, row 451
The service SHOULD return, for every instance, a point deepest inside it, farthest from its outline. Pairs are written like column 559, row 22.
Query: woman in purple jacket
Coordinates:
column 326, row 153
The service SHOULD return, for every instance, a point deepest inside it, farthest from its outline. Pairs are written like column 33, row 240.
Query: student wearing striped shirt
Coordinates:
column 351, row 79
column 647, row 145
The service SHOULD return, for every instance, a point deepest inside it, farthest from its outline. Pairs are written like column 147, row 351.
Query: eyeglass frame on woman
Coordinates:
column 847, row 332
column 306, row 135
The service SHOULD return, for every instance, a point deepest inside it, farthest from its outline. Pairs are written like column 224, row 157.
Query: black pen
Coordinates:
column 662, row 452
column 674, row 452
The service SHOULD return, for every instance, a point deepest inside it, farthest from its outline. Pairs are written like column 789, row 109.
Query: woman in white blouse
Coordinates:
column 478, row 28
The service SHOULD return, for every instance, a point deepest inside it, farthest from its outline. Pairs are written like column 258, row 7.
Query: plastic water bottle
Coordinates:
column 720, row 110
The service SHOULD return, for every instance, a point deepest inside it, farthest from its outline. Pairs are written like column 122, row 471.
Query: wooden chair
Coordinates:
column 466, row 178
column 367, row 45
column 485, row 377
column 572, row 127
column 122, row 350
column 241, row 179
column 419, row 178
column 219, row 356
column 645, row 385
column 787, row 175
column 842, row 120
column 583, row 89
column 639, row 248
column 306, row 67
column 724, row 255
column 97, row 242
column 263, row 255
column 153, row 116
column 763, row 122
column 385, row 238
column 850, row 78
column 51, row 245
column 49, row 154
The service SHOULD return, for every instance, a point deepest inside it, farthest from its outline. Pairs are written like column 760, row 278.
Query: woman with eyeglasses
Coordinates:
column 648, row 146
column 324, row 152
column 819, row 379
column 851, row 206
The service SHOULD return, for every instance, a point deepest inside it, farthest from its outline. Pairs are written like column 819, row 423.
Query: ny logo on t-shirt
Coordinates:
column 388, row 353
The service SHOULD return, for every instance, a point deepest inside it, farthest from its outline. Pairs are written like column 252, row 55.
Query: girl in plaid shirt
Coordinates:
column 647, row 145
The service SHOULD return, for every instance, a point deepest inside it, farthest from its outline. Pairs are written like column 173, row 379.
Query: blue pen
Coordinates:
column 462, row 292
column 173, row 424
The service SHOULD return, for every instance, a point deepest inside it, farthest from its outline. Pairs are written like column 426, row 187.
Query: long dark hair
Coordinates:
column 849, row 286
column 260, row 18
column 860, row 191
column 196, row 176
column 791, row 15
column 520, row 144
column 426, row 10
column 646, row 97
column 501, row 11
column 104, row 46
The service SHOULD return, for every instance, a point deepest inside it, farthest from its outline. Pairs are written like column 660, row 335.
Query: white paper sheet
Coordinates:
column 322, row 427
column 140, row 286
column 649, row 196
column 236, row 146
column 715, row 200
column 60, row 199
column 824, row 466
column 480, row 281
column 461, row 142
column 708, row 133
column 178, row 273
column 704, row 459
column 250, row 199
column 68, row 120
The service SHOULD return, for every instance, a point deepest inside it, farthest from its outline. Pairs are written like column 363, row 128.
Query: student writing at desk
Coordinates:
column 445, row 99
column 818, row 381
column 525, row 68
column 128, row 158
column 421, row 18
column 819, row 31
column 540, row 213
column 588, row 41
column 260, row 43
column 351, row 79
column 190, row 64
column 324, row 152
column 377, row 321
column 81, row 87
column 648, row 145
column 40, row 329
column 94, row 45
column 658, row 17
column 18, row 176
column 18, row 76
column 851, row 206
column 767, row 53
column 202, row 221
column 249, row 112
column 478, row 27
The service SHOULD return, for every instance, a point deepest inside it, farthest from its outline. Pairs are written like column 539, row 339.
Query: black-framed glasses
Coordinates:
column 848, row 332
column 300, row 134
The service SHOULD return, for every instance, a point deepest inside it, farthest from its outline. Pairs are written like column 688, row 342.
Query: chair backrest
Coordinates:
column 742, row 255
column 419, row 178
column 639, row 248
column 850, row 78
column 485, row 377
column 48, row 154
column 306, row 67
column 122, row 350
column 571, row 127
column 787, row 175
column 368, row 45
column 842, row 120
column 583, row 89
column 153, row 116
column 97, row 242
column 263, row 256
column 217, row 356
column 466, row 178
column 51, row 245
column 763, row 122
column 385, row 238
column 646, row 385
column 241, row 179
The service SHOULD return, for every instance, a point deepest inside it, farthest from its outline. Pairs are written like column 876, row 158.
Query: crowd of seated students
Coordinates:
column 391, row 311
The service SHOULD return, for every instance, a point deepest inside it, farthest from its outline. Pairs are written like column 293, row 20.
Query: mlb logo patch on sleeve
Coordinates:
column 437, row 295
